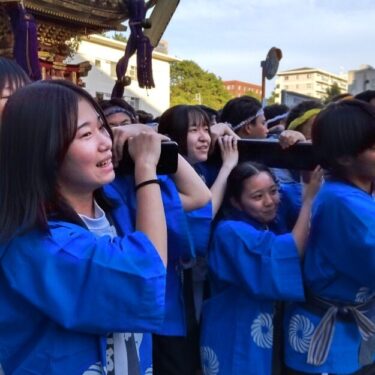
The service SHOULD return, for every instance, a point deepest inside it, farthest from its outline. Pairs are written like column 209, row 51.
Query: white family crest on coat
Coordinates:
column 364, row 294
column 96, row 369
column 149, row 371
column 262, row 331
column 300, row 332
column 210, row 363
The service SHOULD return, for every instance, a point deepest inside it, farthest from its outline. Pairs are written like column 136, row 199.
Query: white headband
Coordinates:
column 277, row 118
column 242, row 123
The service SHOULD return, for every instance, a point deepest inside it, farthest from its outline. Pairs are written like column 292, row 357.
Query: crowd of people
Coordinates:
column 222, row 268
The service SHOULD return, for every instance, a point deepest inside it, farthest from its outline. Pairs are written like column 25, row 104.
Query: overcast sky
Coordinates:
column 230, row 37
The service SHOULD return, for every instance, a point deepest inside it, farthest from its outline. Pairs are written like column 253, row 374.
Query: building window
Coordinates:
column 308, row 75
column 286, row 78
column 308, row 86
column 133, row 101
column 132, row 72
column 113, row 70
column 286, row 87
column 98, row 64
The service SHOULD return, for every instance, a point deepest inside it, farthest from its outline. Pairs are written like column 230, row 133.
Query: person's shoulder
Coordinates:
column 227, row 227
column 68, row 236
column 333, row 190
column 291, row 191
column 337, row 196
column 57, row 235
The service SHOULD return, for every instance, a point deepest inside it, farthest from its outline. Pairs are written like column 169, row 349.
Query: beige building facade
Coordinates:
column 361, row 79
column 103, row 54
column 312, row 82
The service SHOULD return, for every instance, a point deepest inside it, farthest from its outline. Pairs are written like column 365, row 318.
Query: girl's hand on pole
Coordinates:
column 312, row 184
column 145, row 148
column 229, row 150
column 122, row 133
column 289, row 138
column 219, row 130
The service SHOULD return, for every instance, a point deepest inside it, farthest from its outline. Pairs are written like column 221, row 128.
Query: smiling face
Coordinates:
column 198, row 141
column 259, row 198
column 88, row 162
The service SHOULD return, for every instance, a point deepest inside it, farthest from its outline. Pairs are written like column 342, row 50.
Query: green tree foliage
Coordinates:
column 119, row 36
column 331, row 92
column 190, row 84
column 273, row 99
column 253, row 95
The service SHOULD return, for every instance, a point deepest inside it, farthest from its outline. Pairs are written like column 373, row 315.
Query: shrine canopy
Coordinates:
column 56, row 26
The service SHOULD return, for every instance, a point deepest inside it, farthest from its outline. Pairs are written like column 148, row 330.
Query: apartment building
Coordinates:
column 239, row 88
column 312, row 82
column 103, row 54
column 361, row 79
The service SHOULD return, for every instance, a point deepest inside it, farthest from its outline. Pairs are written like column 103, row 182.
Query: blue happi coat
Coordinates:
column 188, row 234
column 250, row 268
column 63, row 290
column 339, row 266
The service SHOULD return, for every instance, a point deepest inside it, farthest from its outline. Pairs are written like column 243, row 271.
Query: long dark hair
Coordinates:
column 175, row 122
column 12, row 74
column 39, row 123
column 239, row 109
